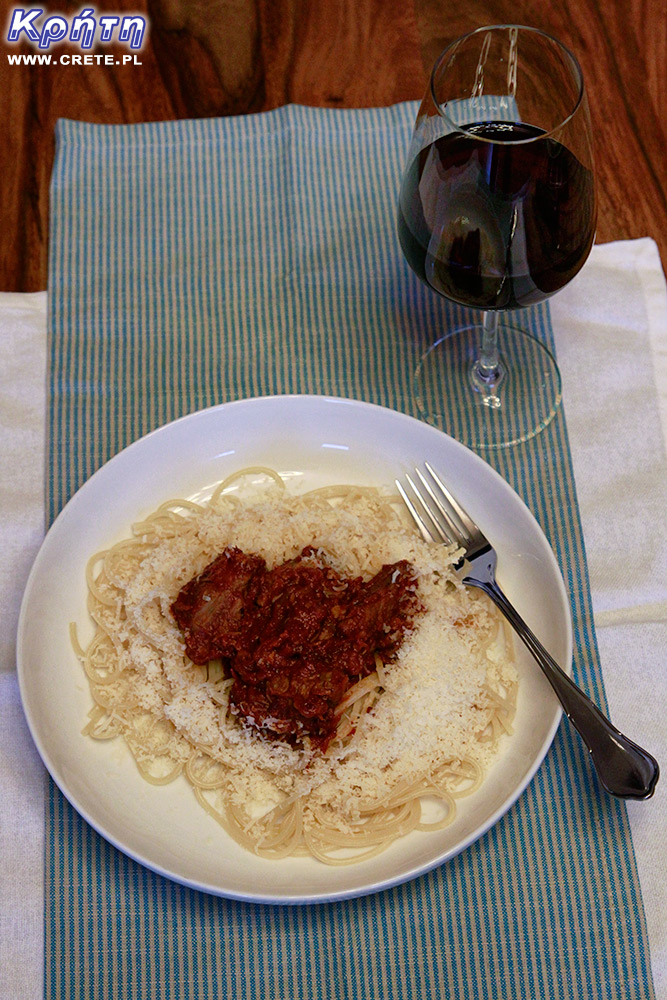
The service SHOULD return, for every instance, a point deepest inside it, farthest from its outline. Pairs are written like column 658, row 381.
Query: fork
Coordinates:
column 624, row 769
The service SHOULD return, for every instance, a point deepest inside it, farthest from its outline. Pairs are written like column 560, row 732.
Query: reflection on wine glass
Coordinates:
column 497, row 212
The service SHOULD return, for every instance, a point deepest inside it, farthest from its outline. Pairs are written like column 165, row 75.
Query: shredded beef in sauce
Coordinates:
column 294, row 637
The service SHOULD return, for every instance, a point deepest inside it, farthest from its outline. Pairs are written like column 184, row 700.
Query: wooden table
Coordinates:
column 222, row 57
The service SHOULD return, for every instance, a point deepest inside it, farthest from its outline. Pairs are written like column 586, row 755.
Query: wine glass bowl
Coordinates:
column 497, row 212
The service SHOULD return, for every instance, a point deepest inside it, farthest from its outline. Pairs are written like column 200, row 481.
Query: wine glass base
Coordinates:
column 504, row 411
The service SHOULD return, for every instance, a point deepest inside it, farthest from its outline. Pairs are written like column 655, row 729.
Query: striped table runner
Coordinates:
column 202, row 261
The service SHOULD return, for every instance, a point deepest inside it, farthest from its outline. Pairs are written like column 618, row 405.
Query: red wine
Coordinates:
column 497, row 225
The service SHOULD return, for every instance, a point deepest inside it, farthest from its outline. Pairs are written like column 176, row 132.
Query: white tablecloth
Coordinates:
column 611, row 334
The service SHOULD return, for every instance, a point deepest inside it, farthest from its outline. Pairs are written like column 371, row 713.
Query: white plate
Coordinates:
column 313, row 441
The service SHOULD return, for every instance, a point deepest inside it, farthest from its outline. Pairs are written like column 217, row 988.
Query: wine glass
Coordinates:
column 497, row 212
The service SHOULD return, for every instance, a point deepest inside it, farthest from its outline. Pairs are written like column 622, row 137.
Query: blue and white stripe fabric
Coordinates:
column 196, row 262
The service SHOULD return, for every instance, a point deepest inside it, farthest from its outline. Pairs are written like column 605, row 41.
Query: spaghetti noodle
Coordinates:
column 411, row 738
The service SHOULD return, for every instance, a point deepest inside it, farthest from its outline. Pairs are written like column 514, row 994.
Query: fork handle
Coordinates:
column 624, row 769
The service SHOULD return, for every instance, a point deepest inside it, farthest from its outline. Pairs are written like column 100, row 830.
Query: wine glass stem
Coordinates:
column 487, row 366
column 487, row 371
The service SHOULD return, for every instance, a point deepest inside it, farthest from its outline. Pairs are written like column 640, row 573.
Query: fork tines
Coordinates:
column 435, row 511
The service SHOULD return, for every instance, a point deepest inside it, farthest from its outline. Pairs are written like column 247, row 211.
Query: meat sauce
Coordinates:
column 296, row 637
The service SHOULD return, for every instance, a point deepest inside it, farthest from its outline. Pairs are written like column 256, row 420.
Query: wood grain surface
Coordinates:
column 223, row 57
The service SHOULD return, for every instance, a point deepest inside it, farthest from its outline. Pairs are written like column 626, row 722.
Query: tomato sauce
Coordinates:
column 295, row 637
